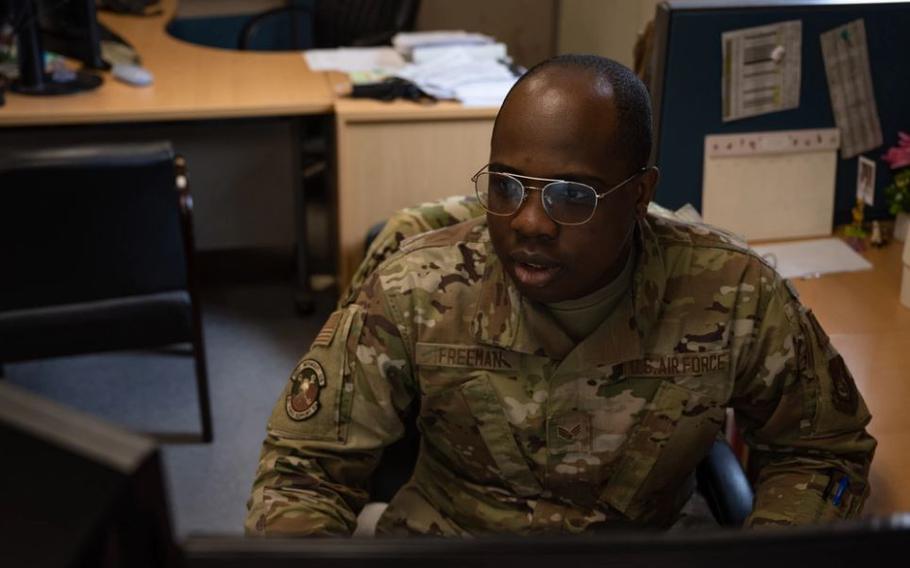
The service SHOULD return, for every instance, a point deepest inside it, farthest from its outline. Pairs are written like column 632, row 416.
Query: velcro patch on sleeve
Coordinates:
column 325, row 335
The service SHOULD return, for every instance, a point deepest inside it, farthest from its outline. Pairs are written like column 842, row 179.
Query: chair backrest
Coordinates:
column 89, row 223
column 352, row 22
column 328, row 24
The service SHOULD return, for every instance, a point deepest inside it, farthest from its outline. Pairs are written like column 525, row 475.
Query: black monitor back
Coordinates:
column 686, row 85
column 77, row 492
column 70, row 28
column 849, row 545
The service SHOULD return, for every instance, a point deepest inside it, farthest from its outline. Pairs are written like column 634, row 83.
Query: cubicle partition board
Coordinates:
column 687, row 86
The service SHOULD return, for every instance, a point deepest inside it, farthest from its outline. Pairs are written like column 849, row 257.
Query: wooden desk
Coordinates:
column 862, row 314
column 394, row 155
column 234, row 115
column 192, row 82
column 389, row 155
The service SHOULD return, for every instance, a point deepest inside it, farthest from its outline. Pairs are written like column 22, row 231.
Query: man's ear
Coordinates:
column 647, row 184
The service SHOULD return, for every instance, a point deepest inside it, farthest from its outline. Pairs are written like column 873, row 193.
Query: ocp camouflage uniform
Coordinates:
column 406, row 223
column 524, row 431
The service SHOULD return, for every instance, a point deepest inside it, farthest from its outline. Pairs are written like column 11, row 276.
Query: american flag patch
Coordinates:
column 325, row 335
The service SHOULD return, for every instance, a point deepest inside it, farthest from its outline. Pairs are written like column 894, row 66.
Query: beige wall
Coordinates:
column 603, row 27
column 527, row 27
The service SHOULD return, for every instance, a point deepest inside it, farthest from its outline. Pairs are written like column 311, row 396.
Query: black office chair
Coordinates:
column 97, row 255
column 322, row 24
column 719, row 476
column 328, row 23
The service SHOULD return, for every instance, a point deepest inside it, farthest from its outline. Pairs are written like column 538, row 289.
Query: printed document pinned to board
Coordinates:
column 771, row 185
column 850, row 86
column 761, row 69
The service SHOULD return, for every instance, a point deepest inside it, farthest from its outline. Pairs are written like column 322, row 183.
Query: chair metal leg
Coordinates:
column 303, row 295
column 202, row 386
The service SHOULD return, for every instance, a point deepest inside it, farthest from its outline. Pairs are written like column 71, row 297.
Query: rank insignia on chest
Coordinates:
column 306, row 383
column 568, row 434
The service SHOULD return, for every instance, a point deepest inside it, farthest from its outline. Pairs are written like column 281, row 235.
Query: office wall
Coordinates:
column 603, row 27
column 528, row 27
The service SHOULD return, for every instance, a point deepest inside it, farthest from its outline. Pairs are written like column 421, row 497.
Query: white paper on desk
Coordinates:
column 444, row 77
column 480, row 52
column 490, row 93
column 405, row 42
column 812, row 257
column 352, row 59
column 761, row 69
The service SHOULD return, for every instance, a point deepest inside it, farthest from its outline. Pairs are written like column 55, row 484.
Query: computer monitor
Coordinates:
column 68, row 27
column 75, row 491
column 850, row 544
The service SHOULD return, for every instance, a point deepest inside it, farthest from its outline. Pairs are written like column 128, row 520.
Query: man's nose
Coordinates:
column 531, row 220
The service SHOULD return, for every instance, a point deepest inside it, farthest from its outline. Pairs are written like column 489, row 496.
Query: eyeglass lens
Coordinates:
column 565, row 202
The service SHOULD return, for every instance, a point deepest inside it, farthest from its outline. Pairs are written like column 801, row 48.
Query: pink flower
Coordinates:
column 899, row 156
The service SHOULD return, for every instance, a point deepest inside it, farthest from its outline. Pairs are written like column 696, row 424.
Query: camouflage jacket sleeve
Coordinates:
column 342, row 405
column 800, row 412
column 408, row 223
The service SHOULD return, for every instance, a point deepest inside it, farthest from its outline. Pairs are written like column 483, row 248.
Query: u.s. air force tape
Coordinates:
column 676, row 364
column 306, row 384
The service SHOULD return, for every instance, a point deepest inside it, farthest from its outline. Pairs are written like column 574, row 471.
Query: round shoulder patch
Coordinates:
column 306, row 383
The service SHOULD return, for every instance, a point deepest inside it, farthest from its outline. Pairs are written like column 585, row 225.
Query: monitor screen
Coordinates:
column 75, row 491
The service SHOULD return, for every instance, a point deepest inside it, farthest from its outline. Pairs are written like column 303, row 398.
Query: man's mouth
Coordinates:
column 534, row 270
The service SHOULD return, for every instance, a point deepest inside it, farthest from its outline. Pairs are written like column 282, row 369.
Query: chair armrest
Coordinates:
column 723, row 483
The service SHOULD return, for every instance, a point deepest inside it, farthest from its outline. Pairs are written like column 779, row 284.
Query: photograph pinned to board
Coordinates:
column 849, row 75
column 761, row 69
column 865, row 181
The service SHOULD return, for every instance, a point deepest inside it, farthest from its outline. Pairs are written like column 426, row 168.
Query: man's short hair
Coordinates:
column 633, row 104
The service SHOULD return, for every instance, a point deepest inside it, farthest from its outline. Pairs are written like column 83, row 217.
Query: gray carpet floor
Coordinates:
column 253, row 339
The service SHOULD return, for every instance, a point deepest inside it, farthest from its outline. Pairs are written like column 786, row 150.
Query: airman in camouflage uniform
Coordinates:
column 526, row 430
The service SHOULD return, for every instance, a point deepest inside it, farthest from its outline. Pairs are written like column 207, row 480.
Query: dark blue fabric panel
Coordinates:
column 224, row 31
column 213, row 31
column 691, row 105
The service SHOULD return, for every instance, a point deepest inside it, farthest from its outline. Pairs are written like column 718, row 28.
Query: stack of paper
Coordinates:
column 484, row 52
column 353, row 59
column 457, row 75
column 406, row 42
column 468, row 67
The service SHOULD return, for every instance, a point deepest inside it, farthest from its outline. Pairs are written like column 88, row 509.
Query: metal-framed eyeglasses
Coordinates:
column 566, row 202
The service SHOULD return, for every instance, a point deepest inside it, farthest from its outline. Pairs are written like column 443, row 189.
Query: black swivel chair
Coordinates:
column 322, row 24
column 328, row 23
column 719, row 476
column 96, row 250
